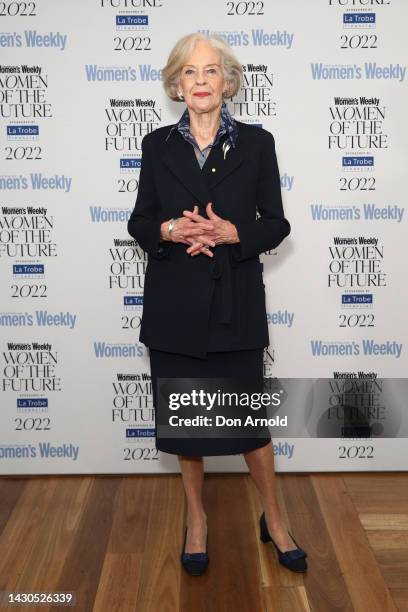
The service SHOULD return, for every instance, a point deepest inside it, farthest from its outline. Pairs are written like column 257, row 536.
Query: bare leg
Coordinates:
column 192, row 469
column 262, row 468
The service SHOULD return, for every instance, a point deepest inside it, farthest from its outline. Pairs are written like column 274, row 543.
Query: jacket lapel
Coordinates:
column 216, row 168
column 179, row 156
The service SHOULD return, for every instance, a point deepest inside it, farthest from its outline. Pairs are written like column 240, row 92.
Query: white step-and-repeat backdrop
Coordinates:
column 80, row 85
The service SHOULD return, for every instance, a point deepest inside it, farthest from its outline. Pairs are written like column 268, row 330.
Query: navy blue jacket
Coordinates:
column 192, row 305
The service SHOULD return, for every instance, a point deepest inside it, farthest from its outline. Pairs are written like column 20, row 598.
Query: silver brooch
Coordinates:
column 226, row 147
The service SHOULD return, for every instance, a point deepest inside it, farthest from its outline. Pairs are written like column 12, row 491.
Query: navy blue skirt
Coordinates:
column 228, row 364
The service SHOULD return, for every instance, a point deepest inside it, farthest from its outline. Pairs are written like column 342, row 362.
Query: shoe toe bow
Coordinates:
column 194, row 563
column 293, row 555
column 199, row 556
column 294, row 560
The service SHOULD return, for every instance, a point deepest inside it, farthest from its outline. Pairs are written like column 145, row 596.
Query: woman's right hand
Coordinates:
column 185, row 230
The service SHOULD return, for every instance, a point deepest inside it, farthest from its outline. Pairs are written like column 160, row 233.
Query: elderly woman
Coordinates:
column 202, row 182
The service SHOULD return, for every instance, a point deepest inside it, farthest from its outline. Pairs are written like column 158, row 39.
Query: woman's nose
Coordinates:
column 200, row 78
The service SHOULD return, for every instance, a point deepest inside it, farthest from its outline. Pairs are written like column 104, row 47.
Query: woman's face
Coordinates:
column 203, row 74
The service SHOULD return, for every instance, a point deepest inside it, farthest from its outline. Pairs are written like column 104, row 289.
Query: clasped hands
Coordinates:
column 202, row 233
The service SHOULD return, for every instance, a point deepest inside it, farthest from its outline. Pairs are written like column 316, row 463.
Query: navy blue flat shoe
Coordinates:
column 195, row 564
column 294, row 560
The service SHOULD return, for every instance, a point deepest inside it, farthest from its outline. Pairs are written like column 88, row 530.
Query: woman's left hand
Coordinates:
column 224, row 231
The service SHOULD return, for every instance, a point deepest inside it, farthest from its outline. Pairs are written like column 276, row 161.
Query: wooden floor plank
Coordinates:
column 378, row 493
column 84, row 560
column 20, row 532
column 400, row 597
column 55, row 535
column 159, row 586
column 119, row 583
column 132, row 508
column 394, row 567
column 286, row 599
column 10, row 491
column 387, row 539
column 365, row 583
column 394, row 522
column 324, row 583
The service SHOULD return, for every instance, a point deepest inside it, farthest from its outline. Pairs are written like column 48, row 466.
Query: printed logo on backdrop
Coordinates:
column 255, row 37
column 30, row 368
column 359, row 408
column 37, row 181
column 144, row 73
column 356, row 3
column 352, row 42
column 30, row 374
column 357, row 129
column 358, row 405
column 356, row 271
column 127, row 268
column 33, row 39
column 356, row 125
column 242, row 8
column 128, row 121
column 133, row 307
column 256, row 100
column 40, row 450
column 281, row 318
column 133, row 410
column 19, row 9
column 118, row 350
column 359, row 15
column 25, row 103
column 26, row 241
column 351, row 405
column 132, row 22
column 366, row 347
column 370, row 71
column 354, row 20
column 127, row 265
column 357, row 212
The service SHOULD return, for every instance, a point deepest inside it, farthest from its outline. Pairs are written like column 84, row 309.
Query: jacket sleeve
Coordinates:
column 144, row 223
column 270, row 228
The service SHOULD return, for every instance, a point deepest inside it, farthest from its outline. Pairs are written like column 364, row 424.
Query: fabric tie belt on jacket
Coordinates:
column 222, row 269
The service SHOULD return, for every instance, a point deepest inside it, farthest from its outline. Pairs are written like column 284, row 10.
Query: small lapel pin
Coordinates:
column 226, row 147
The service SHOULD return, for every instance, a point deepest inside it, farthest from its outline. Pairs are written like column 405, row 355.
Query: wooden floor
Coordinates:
column 116, row 540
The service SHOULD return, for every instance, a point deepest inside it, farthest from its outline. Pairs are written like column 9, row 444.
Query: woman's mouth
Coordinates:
column 202, row 94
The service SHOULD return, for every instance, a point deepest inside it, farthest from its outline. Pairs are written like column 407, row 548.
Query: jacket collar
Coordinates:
column 178, row 154
column 227, row 126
